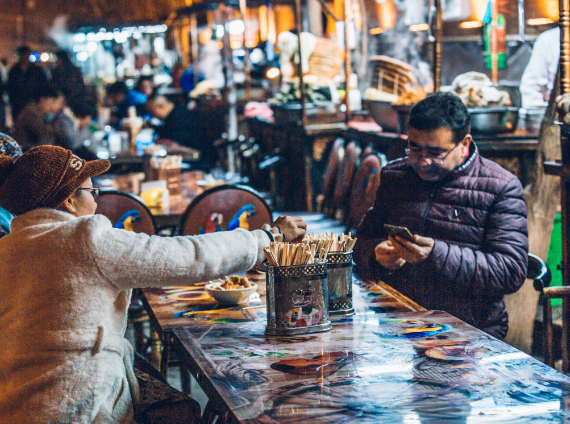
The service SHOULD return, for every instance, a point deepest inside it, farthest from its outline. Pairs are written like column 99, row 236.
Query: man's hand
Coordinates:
column 410, row 251
column 387, row 256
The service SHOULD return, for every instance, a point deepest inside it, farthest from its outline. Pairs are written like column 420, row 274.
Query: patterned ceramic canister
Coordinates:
column 297, row 299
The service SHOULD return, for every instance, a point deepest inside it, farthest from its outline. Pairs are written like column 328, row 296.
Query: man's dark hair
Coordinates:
column 118, row 87
column 441, row 110
column 46, row 91
column 84, row 110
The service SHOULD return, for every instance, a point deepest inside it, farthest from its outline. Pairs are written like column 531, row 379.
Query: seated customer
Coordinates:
column 467, row 215
column 181, row 131
column 66, row 283
column 34, row 126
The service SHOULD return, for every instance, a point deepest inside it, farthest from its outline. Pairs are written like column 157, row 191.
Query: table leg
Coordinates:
column 166, row 343
column 155, row 350
column 185, row 378
column 209, row 415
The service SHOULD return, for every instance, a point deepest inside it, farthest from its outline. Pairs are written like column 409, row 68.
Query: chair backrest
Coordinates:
column 116, row 204
column 364, row 188
column 225, row 208
column 335, row 158
column 345, row 174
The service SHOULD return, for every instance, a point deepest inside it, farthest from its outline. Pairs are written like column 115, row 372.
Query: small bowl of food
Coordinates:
column 231, row 290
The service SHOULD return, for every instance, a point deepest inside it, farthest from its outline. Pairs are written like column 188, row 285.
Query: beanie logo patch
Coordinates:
column 75, row 163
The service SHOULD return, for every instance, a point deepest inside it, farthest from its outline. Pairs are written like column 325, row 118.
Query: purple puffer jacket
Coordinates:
column 477, row 217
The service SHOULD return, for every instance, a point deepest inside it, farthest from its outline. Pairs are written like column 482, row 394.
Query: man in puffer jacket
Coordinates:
column 467, row 215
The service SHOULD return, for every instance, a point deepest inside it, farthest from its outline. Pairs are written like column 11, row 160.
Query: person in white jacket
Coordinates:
column 65, row 282
column 538, row 77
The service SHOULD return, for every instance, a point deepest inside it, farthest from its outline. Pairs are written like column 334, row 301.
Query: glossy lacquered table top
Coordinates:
column 410, row 367
column 190, row 305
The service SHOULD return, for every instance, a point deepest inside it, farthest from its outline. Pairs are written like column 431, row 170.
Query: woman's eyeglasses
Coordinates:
column 437, row 158
column 95, row 191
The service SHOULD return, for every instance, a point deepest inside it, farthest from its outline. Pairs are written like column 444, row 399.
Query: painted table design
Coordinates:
column 413, row 367
column 176, row 306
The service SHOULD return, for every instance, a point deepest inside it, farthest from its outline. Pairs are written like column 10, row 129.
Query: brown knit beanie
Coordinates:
column 43, row 177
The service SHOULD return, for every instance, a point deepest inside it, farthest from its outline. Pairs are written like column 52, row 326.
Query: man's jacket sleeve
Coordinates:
column 500, row 266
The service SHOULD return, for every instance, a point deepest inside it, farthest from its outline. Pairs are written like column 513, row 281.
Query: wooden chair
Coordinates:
column 364, row 188
column 335, row 158
column 344, row 177
column 114, row 205
column 223, row 208
column 540, row 273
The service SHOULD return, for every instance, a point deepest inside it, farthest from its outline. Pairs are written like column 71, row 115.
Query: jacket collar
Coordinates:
column 468, row 164
column 39, row 217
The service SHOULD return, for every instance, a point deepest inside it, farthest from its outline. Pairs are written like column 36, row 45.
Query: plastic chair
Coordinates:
column 117, row 206
column 225, row 208
column 364, row 188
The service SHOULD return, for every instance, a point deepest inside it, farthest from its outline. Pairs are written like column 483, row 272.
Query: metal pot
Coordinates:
column 384, row 114
column 493, row 120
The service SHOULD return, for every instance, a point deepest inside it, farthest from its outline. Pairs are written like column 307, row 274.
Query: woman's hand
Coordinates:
column 292, row 228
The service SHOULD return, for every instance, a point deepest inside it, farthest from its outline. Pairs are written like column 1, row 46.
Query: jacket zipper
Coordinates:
column 430, row 201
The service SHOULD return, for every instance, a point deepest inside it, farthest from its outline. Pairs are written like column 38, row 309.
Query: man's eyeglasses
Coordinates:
column 417, row 152
column 95, row 191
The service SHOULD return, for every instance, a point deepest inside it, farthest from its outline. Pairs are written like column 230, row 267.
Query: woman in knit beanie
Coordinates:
column 65, row 281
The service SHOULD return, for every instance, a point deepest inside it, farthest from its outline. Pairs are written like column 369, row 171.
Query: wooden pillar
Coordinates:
column 347, row 56
column 437, row 46
column 243, row 12
column 299, row 27
column 565, row 176
column 315, row 17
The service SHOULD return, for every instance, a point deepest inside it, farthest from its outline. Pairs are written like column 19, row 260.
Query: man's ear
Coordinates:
column 68, row 205
column 466, row 142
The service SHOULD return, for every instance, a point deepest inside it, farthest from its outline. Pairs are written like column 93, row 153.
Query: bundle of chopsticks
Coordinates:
column 289, row 254
column 174, row 161
column 330, row 242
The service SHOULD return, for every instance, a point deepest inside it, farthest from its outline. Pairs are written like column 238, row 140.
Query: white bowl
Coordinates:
column 230, row 297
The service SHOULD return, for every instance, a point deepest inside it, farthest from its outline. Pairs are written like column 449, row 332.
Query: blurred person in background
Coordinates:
column 538, row 77
column 34, row 126
column 116, row 99
column 67, row 78
column 24, row 79
column 139, row 95
column 72, row 127
column 180, row 131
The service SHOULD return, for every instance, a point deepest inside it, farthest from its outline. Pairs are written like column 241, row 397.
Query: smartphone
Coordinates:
column 403, row 232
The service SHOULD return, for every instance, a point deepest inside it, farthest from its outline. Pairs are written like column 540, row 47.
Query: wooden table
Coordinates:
column 411, row 367
column 166, row 307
